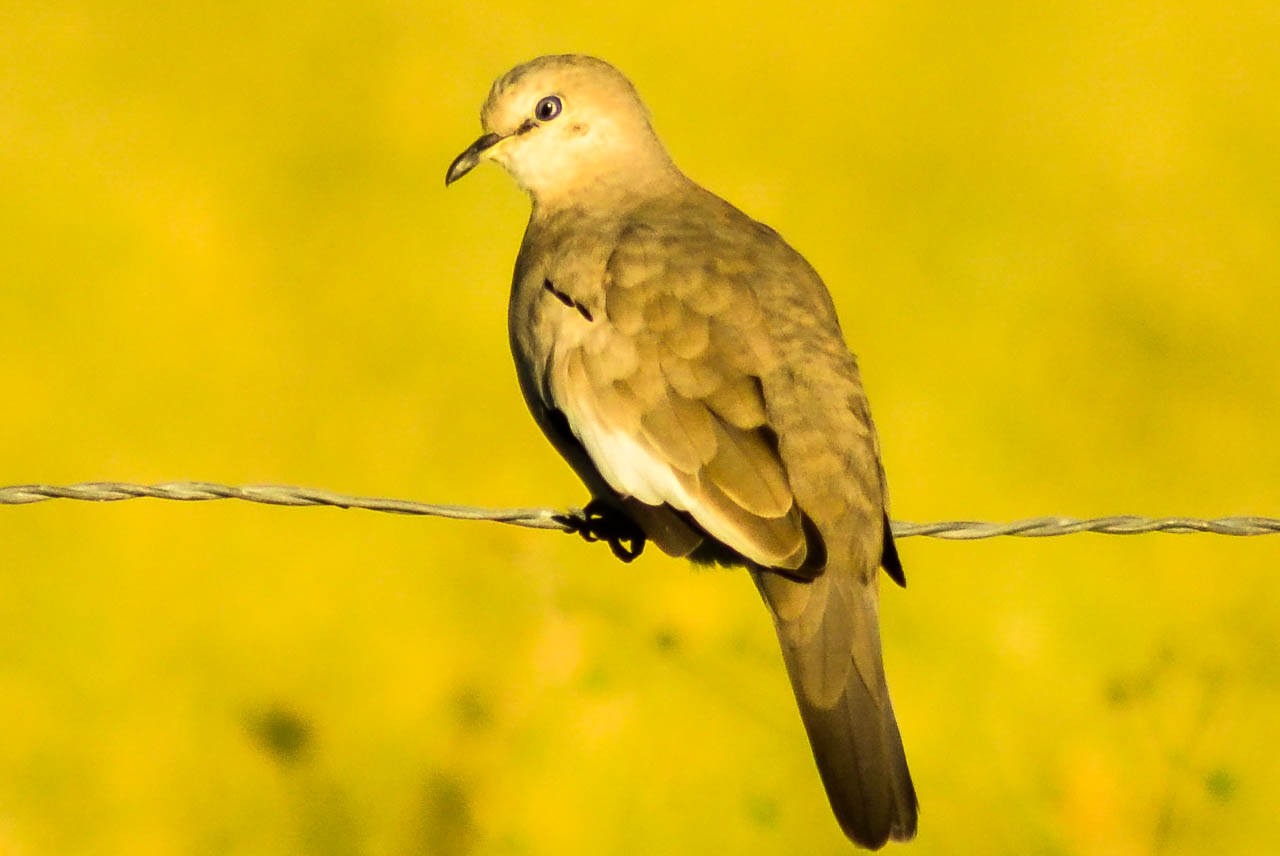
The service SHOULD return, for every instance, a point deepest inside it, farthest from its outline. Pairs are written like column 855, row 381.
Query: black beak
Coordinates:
column 467, row 161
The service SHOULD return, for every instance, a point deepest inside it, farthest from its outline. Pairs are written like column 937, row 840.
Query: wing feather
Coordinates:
column 664, row 401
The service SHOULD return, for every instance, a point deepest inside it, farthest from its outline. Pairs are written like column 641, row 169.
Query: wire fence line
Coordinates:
column 547, row 518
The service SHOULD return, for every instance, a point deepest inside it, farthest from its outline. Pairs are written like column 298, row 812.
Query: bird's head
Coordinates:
column 563, row 125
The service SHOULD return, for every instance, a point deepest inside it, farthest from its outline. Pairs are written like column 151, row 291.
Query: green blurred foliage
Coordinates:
column 1053, row 234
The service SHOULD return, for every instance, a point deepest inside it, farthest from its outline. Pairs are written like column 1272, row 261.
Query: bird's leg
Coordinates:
column 600, row 521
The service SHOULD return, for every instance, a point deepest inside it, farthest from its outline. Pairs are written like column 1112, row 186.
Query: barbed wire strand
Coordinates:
column 547, row 518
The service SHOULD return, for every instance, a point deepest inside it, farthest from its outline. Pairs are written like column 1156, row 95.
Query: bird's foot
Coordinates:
column 600, row 521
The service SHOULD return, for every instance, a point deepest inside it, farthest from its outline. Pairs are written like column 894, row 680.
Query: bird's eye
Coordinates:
column 548, row 108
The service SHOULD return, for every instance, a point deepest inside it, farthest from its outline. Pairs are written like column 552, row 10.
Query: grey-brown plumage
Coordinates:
column 689, row 366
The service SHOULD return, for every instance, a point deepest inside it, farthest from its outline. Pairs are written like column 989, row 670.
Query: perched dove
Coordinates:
column 689, row 365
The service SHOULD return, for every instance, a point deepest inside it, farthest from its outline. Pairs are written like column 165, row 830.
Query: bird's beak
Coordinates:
column 467, row 161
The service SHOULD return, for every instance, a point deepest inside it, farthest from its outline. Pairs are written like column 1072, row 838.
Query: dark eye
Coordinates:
column 548, row 108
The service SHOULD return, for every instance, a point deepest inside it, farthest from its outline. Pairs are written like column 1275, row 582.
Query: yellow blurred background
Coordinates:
column 226, row 253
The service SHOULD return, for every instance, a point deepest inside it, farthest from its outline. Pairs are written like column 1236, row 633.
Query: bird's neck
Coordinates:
column 616, row 186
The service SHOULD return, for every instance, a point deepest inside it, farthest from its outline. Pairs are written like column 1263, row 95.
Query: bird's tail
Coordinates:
column 830, row 634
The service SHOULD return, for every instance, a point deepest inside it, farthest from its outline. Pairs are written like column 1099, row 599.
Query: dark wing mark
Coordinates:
column 889, row 558
column 567, row 300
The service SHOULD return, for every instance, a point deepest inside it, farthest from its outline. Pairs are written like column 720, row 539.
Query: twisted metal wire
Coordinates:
column 547, row 518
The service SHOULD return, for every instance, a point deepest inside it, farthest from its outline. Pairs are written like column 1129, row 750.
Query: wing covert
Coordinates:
column 663, row 392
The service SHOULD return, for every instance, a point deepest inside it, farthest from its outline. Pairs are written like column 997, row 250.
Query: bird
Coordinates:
column 689, row 366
